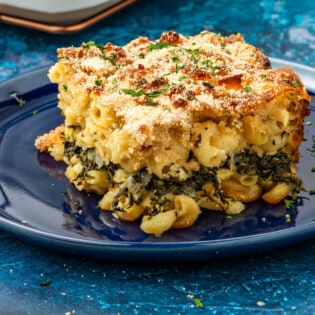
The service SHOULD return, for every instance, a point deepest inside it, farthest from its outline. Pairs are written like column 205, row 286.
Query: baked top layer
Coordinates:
column 172, row 108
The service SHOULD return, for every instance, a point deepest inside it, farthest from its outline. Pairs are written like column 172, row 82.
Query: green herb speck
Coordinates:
column 98, row 83
column 198, row 303
column 288, row 203
column 295, row 84
column 111, row 59
column 22, row 102
column 159, row 45
column 248, row 89
column 92, row 43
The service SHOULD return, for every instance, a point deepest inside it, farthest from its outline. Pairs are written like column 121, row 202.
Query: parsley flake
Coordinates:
column 159, row 45
column 20, row 100
column 140, row 92
column 248, row 89
column 92, row 43
column 287, row 218
column 134, row 93
column 115, row 83
column 295, row 84
column 288, row 203
column 198, row 303
column 98, row 83
column 111, row 59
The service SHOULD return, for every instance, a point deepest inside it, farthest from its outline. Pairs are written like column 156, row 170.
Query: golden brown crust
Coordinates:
column 222, row 76
column 45, row 142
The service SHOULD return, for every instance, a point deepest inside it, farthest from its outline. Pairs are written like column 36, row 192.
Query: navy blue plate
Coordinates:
column 39, row 205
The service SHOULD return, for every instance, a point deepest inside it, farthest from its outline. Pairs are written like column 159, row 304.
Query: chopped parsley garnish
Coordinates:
column 248, row 89
column 178, row 67
column 65, row 88
column 156, row 92
column 98, row 83
column 308, row 123
column 225, row 273
column 198, row 303
column 115, row 83
column 312, row 192
column 140, row 92
column 159, row 45
column 289, row 203
column 92, row 43
column 194, row 59
column 295, row 84
column 111, row 59
column 20, row 100
column 192, row 51
column 210, row 65
column 134, row 93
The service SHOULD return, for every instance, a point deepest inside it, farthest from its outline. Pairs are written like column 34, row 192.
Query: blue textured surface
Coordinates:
column 35, row 281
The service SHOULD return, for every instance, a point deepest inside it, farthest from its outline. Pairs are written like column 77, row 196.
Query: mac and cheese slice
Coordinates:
column 165, row 129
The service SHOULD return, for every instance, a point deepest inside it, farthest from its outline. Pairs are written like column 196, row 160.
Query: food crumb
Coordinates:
column 261, row 303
